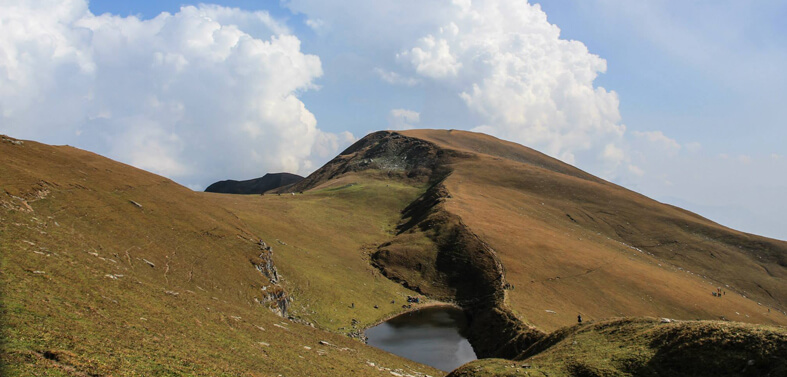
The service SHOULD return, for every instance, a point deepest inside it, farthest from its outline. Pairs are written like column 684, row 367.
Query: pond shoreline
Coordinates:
column 432, row 334
column 430, row 304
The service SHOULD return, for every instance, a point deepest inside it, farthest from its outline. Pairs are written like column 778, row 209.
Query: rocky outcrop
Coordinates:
column 384, row 152
column 273, row 294
column 260, row 185
column 12, row 140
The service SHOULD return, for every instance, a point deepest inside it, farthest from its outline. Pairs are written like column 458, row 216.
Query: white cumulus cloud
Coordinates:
column 403, row 119
column 511, row 68
column 316, row 25
column 432, row 57
column 206, row 93
column 502, row 61
column 658, row 138
column 394, row 78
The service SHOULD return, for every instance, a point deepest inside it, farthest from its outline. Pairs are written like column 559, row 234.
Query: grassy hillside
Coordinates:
column 553, row 242
column 109, row 270
column 571, row 243
column 647, row 347
column 327, row 235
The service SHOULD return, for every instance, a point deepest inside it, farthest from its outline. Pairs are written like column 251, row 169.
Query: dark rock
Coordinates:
column 267, row 182
column 389, row 152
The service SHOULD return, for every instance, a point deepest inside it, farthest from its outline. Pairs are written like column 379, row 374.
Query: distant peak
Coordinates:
column 267, row 182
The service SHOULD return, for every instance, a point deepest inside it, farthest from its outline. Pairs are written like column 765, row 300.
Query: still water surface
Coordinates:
column 431, row 336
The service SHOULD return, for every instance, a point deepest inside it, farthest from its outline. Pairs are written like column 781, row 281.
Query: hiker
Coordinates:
column 579, row 318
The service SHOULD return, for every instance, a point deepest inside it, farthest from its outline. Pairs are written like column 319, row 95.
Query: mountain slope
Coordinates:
column 568, row 243
column 109, row 270
column 323, row 240
column 260, row 185
column 573, row 244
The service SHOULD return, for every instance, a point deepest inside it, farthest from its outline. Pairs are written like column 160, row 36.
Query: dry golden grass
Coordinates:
column 80, row 298
column 571, row 243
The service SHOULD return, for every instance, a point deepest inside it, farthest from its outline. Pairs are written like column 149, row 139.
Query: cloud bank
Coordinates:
column 209, row 92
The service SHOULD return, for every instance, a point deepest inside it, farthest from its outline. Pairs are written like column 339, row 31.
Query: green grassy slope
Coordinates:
column 328, row 234
column 647, row 347
column 95, row 284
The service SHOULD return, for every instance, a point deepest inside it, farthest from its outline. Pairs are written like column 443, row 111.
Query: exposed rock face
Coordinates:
column 384, row 151
column 13, row 141
column 260, row 185
column 273, row 295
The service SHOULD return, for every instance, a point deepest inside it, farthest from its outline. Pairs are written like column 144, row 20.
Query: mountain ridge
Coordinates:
column 521, row 241
column 617, row 234
column 269, row 181
column 757, row 248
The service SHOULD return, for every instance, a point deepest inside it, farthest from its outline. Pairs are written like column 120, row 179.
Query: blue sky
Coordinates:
column 659, row 89
column 681, row 101
column 705, row 87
